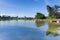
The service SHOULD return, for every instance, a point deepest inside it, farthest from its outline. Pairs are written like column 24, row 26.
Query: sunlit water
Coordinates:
column 29, row 30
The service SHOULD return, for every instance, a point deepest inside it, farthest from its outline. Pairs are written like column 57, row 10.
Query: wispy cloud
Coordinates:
column 12, row 14
column 8, row 14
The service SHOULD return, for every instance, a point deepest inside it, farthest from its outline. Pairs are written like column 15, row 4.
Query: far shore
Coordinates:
column 46, row 20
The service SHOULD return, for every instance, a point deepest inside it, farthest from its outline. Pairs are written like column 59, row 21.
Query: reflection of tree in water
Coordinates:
column 52, row 29
column 39, row 23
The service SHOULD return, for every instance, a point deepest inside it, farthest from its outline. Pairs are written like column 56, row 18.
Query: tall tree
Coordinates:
column 53, row 11
column 49, row 10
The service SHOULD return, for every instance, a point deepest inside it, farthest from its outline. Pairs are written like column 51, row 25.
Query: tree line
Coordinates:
column 53, row 12
column 4, row 17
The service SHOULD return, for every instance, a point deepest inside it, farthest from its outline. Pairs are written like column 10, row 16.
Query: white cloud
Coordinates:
column 12, row 14
column 8, row 14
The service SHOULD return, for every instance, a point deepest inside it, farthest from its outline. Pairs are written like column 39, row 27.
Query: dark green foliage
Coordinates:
column 53, row 11
column 49, row 10
column 14, row 18
column 0, row 17
column 8, row 18
column 5, row 17
column 26, row 18
column 40, row 16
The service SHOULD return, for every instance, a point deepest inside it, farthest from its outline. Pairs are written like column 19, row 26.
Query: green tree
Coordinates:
column 53, row 11
column 49, row 9
column 0, row 17
column 40, row 16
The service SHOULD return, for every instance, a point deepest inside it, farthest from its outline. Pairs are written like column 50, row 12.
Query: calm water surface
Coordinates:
column 29, row 30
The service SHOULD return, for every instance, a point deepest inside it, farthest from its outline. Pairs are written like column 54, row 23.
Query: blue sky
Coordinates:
column 27, row 8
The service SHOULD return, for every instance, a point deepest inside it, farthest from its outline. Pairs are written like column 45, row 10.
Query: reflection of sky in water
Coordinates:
column 17, row 23
column 24, row 30
column 21, row 33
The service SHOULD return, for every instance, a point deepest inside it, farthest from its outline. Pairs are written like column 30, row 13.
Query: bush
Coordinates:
column 40, row 16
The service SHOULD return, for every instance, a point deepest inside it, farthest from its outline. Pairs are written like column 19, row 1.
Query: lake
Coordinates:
column 29, row 30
